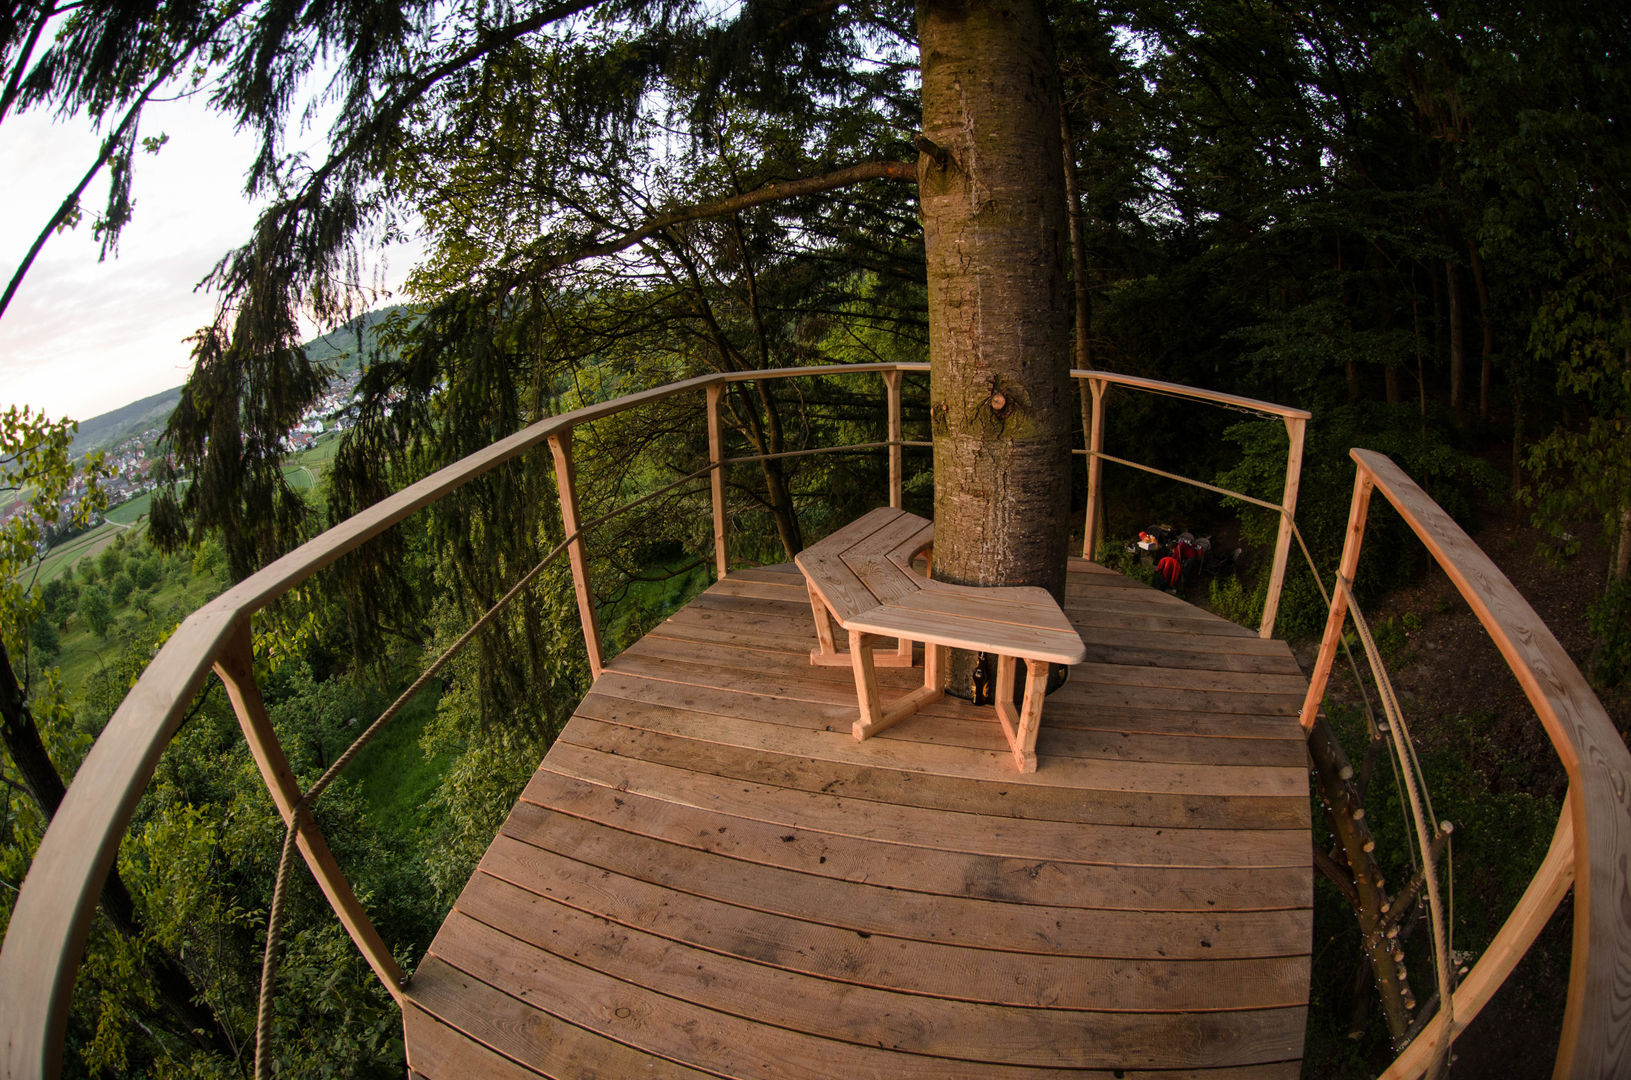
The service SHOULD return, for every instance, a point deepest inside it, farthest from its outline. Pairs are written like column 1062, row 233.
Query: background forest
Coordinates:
column 1410, row 219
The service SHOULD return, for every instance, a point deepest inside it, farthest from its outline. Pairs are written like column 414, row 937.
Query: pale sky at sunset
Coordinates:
column 83, row 337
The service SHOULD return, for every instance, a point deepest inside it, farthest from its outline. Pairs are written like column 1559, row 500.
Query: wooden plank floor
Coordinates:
column 708, row 876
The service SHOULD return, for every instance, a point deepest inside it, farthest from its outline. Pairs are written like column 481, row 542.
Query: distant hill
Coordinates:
column 344, row 347
column 112, row 428
column 341, row 349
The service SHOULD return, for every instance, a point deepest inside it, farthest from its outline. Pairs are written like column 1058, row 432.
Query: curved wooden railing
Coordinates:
column 53, row 913
column 1098, row 383
column 51, row 919
column 1591, row 847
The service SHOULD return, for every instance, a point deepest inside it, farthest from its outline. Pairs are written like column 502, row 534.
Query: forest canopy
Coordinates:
column 1408, row 218
column 1419, row 206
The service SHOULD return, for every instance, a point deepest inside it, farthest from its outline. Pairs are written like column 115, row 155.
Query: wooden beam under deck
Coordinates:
column 709, row 877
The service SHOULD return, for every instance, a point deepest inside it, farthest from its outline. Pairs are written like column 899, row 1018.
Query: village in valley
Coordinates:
column 132, row 464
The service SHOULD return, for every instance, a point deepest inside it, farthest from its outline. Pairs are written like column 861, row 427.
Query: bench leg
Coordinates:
column 826, row 653
column 1021, row 727
column 874, row 717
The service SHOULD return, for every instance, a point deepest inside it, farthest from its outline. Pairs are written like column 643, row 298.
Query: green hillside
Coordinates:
column 342, row 349
column 112, row 428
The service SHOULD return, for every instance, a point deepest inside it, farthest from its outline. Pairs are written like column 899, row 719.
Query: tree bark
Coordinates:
column 1078, row 249
column 1384, row 322
column 1333, row 779
column 994, row 222
column 1458, row 345
column 196, row 1023
column 1486, row 320
column 1621, row 566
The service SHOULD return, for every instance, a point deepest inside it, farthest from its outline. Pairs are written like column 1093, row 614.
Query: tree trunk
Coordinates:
column 1361, row 879
column 994, row 223
column 196, row 1023
column 1486, row 320
column 1078, row 249
column 1458, row 344
column 1621, row 566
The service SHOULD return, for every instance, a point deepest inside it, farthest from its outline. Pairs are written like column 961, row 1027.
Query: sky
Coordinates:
column 83, row 337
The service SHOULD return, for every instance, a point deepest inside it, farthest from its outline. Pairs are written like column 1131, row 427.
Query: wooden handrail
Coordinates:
column 1215, row 397
column 1592, row 845
column 1296, row 422
column 52, row 916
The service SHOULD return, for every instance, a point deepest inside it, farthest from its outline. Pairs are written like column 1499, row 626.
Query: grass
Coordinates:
column 87, row 543
column 394, row 775
column 83, row 653
column 128, row 513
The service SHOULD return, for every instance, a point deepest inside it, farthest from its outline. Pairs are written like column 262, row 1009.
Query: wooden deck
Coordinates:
column 708, row 876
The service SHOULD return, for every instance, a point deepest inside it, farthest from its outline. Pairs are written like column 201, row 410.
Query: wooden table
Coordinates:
column 862, row 577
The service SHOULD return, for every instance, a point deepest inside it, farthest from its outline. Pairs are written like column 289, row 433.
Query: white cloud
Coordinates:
column 83, row 337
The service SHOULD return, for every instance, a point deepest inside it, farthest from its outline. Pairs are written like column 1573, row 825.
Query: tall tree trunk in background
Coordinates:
column 1384, row 322
column 195, row 1023
column 1078, row 249
column 1486, row 319
column 1621, row 566
column 1084, row 303
column 992, row 190
column 1458, row 343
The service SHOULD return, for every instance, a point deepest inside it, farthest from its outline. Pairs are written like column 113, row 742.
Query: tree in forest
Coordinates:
column 34, row 718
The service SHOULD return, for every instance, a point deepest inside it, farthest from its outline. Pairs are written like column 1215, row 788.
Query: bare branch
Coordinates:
column 791, row 189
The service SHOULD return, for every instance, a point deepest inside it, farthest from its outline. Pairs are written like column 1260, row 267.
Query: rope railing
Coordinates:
column 274, row 921
column 1425, row 1049
column 1589, row 848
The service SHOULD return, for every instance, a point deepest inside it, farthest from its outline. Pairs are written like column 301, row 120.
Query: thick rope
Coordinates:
column 274, row 926
column 274, row 920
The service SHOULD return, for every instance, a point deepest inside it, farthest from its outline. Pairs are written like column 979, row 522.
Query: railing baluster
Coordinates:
column 1095, row 468
column 1358, row 511
column 560, row 445
column 236, row 668
column 892, row 383
column 1295, row 428
column 716, row 479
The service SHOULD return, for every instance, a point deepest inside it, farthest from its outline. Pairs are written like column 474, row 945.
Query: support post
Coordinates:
column 1358, row 510
column 236, row 668
column 560, row 445
column 716, row 479
column 891, row 382
column 1095, row 467
column 1295, row 428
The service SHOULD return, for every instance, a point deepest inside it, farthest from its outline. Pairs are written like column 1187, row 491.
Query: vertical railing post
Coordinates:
column 560, row 445
column 891, row 382
column 1095, row 467
column 236, row 668
column 1358, row 510
column 1295, row 428
column 716, row 479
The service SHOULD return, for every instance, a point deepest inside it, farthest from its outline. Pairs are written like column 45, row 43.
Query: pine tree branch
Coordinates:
column 109, row 144
column 773, row 192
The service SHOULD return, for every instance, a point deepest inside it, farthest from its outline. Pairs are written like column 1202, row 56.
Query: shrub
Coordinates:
column 1610, row 619
column 1391, row 555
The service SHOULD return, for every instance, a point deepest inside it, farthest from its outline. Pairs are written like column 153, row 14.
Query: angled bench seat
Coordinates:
column 862, row 577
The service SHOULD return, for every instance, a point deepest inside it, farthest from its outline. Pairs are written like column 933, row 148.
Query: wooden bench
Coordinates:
column 862, row 577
